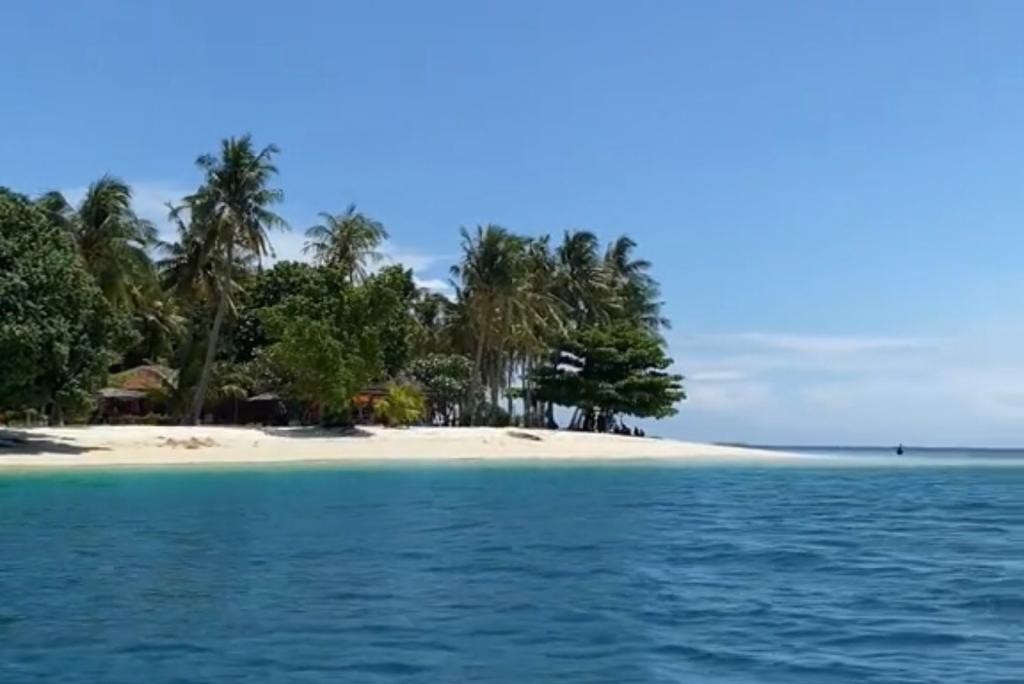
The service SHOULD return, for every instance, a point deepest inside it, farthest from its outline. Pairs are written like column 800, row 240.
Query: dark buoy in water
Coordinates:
column 899, row 450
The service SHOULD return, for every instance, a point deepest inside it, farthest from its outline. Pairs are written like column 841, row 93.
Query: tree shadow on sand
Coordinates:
column 22, row 443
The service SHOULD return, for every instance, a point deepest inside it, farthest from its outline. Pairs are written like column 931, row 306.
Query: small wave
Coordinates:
column 889, row 641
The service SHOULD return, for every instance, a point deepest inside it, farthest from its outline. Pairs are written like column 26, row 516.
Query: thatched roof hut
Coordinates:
column 146, row 378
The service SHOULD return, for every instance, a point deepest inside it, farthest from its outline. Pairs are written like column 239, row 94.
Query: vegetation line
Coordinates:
column 102, row 321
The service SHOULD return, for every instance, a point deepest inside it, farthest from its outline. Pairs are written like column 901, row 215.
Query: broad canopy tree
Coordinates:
column 328, row 338
column 58, row 334
column 609, row 370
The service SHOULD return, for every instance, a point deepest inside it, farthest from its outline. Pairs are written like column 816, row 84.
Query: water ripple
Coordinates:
column 472, row 574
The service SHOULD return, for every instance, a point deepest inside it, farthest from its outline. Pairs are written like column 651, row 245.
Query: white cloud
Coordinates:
column 817, row 346
column 414, row 259
column 828, row 344
column 437, row 285
column 716, row 376
column 790, row 388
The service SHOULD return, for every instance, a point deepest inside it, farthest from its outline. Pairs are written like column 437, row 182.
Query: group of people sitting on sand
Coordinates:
column 623, row 429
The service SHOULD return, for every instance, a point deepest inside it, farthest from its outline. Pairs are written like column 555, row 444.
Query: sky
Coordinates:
column 831, row 192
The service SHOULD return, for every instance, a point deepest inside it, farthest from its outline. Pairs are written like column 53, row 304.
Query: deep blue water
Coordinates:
column 514, row 574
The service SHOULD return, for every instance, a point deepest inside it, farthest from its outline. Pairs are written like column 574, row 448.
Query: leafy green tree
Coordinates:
column 447, row 379
column 331, row 339
column 57, row 331
column 390, row 294
column 233, row 210
column 349, row 241
column 605, row 371
column 270, row 288
column 317, row 366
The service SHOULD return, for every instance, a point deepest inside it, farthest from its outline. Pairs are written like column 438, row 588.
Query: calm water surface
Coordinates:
column 514, row 574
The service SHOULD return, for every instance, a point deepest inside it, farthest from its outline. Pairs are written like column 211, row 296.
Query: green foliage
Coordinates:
column 609, row 370
column 79, row 286
column 268, row 289
column 389, row 297
column 230, row 215
column 111, row 239
column 403, row 405
column 57, row 332
column 328, row 338
column 348, row 242
column 317, row 367
column 447, row 378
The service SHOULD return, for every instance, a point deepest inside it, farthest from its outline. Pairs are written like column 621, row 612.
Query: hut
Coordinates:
column 136, row 391
column 266, row 409
column 113, row 403
column 146, row 378
column 363, row 403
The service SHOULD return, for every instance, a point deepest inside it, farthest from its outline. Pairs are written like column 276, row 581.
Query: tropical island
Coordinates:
column 102, row 322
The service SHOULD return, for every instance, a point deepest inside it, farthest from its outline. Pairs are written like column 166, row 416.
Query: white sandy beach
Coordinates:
column 101, row 445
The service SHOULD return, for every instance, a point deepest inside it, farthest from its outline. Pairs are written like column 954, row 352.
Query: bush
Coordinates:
column 403, row 405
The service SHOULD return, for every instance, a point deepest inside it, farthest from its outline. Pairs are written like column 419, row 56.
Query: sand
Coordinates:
column 101, row 445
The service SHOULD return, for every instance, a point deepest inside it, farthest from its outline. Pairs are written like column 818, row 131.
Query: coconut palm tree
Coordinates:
column 584, row 284
column 233, row 212
column 486, row 282
column 113, row 241
column 546, row 322
column 348, row 241
column 635, row 288
column 506, row 298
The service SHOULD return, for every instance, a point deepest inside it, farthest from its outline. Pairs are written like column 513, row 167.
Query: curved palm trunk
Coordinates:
column 196, row 410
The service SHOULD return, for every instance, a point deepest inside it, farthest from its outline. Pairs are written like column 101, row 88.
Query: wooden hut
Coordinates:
column 114, row 403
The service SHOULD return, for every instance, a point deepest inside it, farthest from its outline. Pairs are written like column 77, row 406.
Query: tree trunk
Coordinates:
column 196, row 411
column 528, row 407
column 56, row 418
column 497, row 373
column 477, row 381
column 508, row 389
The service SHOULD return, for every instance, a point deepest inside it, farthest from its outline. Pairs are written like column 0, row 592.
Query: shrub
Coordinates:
column 403, row 405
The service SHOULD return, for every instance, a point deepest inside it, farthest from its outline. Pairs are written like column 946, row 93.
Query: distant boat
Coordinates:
column 899, row 450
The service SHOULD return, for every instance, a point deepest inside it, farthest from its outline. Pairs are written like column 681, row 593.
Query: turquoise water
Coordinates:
column 514, row 574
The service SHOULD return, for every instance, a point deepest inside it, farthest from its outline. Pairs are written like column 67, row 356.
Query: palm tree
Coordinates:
column 433, row 318
column 113, row 241
column 583, row 281
column 232, row 211
column 507, row 303
column 348, row 241
column 636, row 290
column 488, row 277
column 538, row 332
column 160, row 326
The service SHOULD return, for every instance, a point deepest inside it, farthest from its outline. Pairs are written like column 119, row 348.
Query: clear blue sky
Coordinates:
column 831, row 192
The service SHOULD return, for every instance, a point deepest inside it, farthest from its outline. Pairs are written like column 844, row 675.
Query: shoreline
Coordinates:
column 150, row 445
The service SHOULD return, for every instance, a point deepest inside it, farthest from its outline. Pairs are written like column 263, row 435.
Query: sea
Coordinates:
column 854, row 567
